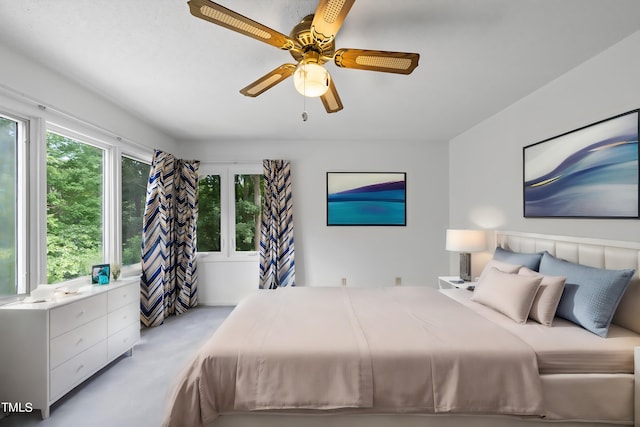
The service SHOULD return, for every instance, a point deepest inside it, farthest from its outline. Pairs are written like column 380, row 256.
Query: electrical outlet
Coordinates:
column 344, row 281
column 398, row 281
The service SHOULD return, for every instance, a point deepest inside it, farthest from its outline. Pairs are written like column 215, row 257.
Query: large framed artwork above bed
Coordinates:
column 591, row 172
column 417, row 356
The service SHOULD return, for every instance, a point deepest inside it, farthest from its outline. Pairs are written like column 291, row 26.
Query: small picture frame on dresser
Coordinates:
column 100, row 274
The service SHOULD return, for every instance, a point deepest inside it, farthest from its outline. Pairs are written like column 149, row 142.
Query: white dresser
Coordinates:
column 48, row 348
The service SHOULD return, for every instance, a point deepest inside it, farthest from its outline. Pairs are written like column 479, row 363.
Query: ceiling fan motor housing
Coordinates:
column 308, row 47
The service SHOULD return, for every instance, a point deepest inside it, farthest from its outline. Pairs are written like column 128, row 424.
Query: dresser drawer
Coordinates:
column 70, row 316
column 123, row 317
column 77, row 369
column 123, row 340
column 125, row 295
column 68, row 345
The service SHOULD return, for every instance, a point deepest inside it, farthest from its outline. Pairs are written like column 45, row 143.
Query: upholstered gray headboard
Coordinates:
column 600, row 253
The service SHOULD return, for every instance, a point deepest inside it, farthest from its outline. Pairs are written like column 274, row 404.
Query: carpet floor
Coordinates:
column 132, row 391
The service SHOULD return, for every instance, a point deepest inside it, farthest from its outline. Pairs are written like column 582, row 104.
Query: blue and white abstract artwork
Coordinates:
column 356, row 198
column 591, row 172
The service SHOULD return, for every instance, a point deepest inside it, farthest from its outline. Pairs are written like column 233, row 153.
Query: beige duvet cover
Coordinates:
column 397, row 349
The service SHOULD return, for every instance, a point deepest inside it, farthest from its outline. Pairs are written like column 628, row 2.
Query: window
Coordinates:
column 135, row 175
column 11, row 133
column 72, row 195
column 249, row 191
column 229, row 209
column 74, row 207
column 209, row 213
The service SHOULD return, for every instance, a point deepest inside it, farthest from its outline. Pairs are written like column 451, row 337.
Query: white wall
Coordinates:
column 365, row 256
column 25, row 83
column 486, row 161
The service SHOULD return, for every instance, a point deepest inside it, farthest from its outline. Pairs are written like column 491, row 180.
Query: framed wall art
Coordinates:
column 366, row 198
column 591, row 172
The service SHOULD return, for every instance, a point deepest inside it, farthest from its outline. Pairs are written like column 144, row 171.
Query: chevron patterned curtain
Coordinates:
column 169, row 271
column 277, row 266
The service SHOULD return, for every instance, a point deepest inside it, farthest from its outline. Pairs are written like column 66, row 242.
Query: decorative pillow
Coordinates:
column 510, row 294
column 591, row 295
column 545, row 304
column 527, row 259
column 499, row 265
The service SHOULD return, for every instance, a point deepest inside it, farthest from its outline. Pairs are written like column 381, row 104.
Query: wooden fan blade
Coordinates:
column 331, row 100
column 213, row 12
column 268, row 81
column 377, row 60
column 328, row 19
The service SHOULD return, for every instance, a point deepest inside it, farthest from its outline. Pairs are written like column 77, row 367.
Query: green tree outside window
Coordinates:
column 8, row 185
column 74, row 208
column 135, row 175
column 208, row 226
column 249, row 190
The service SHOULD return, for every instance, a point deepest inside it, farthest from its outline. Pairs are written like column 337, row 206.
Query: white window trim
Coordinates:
column 22, row 202
column 228, row 209
column 38, row 197
column 132, row 269
column 22, row 232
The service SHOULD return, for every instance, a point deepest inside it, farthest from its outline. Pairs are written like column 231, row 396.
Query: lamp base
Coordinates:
column 465, row 266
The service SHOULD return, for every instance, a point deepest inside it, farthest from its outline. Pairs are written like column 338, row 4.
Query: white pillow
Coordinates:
column 546, row 301
column 510, row 294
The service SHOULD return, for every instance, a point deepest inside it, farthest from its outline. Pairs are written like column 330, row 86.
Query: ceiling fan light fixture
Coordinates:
column 311, row 79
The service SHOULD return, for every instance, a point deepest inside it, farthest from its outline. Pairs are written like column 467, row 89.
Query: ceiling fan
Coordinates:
column 311, row 43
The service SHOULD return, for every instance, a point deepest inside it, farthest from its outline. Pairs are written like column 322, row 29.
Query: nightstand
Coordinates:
column 450, row 282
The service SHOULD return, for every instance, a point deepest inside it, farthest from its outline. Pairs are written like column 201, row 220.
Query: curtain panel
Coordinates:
column 169, row 278
column 277, row 264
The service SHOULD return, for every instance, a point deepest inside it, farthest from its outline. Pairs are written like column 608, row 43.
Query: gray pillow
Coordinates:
column 530, row 260
column 591, row 295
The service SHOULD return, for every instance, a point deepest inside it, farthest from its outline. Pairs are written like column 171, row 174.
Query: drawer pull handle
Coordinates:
column 80, row 313
column 81, row 367
column 79, row 341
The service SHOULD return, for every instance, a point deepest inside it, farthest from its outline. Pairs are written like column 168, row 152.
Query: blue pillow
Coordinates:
column 528, row 260
column 591, row 295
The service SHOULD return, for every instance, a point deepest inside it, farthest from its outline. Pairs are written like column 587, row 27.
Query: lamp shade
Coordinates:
column 466, row 240
column 311, row 79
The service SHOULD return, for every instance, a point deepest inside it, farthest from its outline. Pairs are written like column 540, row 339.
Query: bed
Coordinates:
column 416, row 356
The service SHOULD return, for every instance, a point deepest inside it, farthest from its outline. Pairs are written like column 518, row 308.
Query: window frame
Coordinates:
column 22, row 159
column 131, row 269
column 108, row 194
column 31, row 243
column 112, row 193
column 227, row 174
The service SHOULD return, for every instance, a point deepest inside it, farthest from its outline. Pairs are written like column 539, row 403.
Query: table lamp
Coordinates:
column 465, row 242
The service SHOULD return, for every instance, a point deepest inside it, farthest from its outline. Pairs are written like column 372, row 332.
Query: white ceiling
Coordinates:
column 182, row 74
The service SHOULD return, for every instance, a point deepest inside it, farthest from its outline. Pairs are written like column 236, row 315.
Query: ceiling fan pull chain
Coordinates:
column 305, row 116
